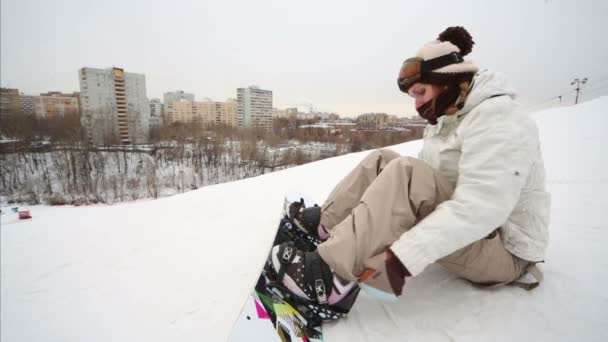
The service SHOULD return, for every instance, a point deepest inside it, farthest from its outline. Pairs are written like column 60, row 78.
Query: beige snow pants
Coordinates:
column 386, row 195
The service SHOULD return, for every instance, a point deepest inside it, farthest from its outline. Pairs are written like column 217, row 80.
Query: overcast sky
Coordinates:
column 340, row 56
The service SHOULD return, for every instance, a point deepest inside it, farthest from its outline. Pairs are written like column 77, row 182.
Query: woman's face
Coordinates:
column 423, row 93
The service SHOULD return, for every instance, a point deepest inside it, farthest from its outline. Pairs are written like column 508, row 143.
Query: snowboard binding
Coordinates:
column 320, row 278
column 290, row 232
column 305, row 218
column 298, row 225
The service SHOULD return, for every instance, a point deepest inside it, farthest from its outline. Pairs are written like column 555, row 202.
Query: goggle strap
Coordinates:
column 440, row 62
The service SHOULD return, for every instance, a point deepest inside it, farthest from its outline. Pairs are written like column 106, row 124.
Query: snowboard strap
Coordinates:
column 318, row 275
column 287, row 253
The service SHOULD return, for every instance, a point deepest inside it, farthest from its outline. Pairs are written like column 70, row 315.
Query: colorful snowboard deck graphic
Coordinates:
column 268, row 318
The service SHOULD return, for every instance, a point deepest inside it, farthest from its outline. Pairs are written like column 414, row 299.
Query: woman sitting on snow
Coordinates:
column 475, row 201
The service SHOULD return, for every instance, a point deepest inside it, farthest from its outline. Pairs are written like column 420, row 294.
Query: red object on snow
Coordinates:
column 24, row 214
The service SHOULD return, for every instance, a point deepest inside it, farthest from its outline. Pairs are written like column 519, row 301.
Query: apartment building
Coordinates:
column 372, row 121
column 10, row 102
column 156, row 113
column 115, row 108
column 56, row 104
column 169, row 98
column 210, row 112
column 254, row 108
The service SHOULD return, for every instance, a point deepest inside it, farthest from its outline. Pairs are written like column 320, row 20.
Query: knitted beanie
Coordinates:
column 440, row 61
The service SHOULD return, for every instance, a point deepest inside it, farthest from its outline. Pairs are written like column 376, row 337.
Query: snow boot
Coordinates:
column 306, row 282
column 308, row 219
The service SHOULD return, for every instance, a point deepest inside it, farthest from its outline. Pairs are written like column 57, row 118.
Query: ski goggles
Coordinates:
column 414, row 69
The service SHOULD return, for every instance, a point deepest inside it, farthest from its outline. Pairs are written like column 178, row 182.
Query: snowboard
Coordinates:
column 267, row 315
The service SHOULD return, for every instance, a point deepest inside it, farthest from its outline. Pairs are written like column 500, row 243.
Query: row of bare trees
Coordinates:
column 180, row 157
column 84, row 175
column 183, row 158
column 28, row 128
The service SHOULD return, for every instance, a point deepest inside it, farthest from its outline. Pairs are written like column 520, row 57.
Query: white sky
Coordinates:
column 341, row 56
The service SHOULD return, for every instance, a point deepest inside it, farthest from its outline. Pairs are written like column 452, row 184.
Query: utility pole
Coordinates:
column 578, row 86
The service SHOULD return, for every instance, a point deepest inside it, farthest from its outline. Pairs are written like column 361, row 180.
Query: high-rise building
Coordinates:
column 168, row 99
column 156, row 113
column 115, row 108
column 56, row 104
column 10, row 102
column 254, row 108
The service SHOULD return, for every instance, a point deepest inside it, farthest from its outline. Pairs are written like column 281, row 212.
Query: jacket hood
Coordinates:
column 486, row 84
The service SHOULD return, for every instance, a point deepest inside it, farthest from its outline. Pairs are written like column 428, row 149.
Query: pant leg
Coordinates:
column 406, row 191
column 347, row 194
column 486, row 261
column 403, row 194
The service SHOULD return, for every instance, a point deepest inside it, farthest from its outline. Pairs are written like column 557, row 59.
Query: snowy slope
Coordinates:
column 180, row 268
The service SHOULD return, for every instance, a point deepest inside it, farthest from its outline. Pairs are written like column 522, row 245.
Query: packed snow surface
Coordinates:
column 180, row 268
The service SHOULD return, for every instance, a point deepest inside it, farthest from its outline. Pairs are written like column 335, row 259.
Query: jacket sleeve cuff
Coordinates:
column 411, row 254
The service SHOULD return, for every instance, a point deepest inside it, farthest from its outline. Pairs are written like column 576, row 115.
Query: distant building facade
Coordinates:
column 115, row 108
column 319, row 130
column 205, row 112
column 46, row 105
column 180, row 111
column 372, row 121
column 215, row 113
column 177, row 95
column 344, row 127
column 169, row 98
column 305, row 116
column 254, row 108
column 27, row 104
column 156, row 113
column 56, row 104
column 10, row 102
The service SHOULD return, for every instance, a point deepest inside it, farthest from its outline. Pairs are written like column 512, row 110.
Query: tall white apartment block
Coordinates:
column 174, row 96
column 254, row 108
column 115, row 108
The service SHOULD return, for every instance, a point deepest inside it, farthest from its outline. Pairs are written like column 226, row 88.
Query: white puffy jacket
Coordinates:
column 491, row 151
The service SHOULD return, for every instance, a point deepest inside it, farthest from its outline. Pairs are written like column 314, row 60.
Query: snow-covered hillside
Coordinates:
column 180, row 268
